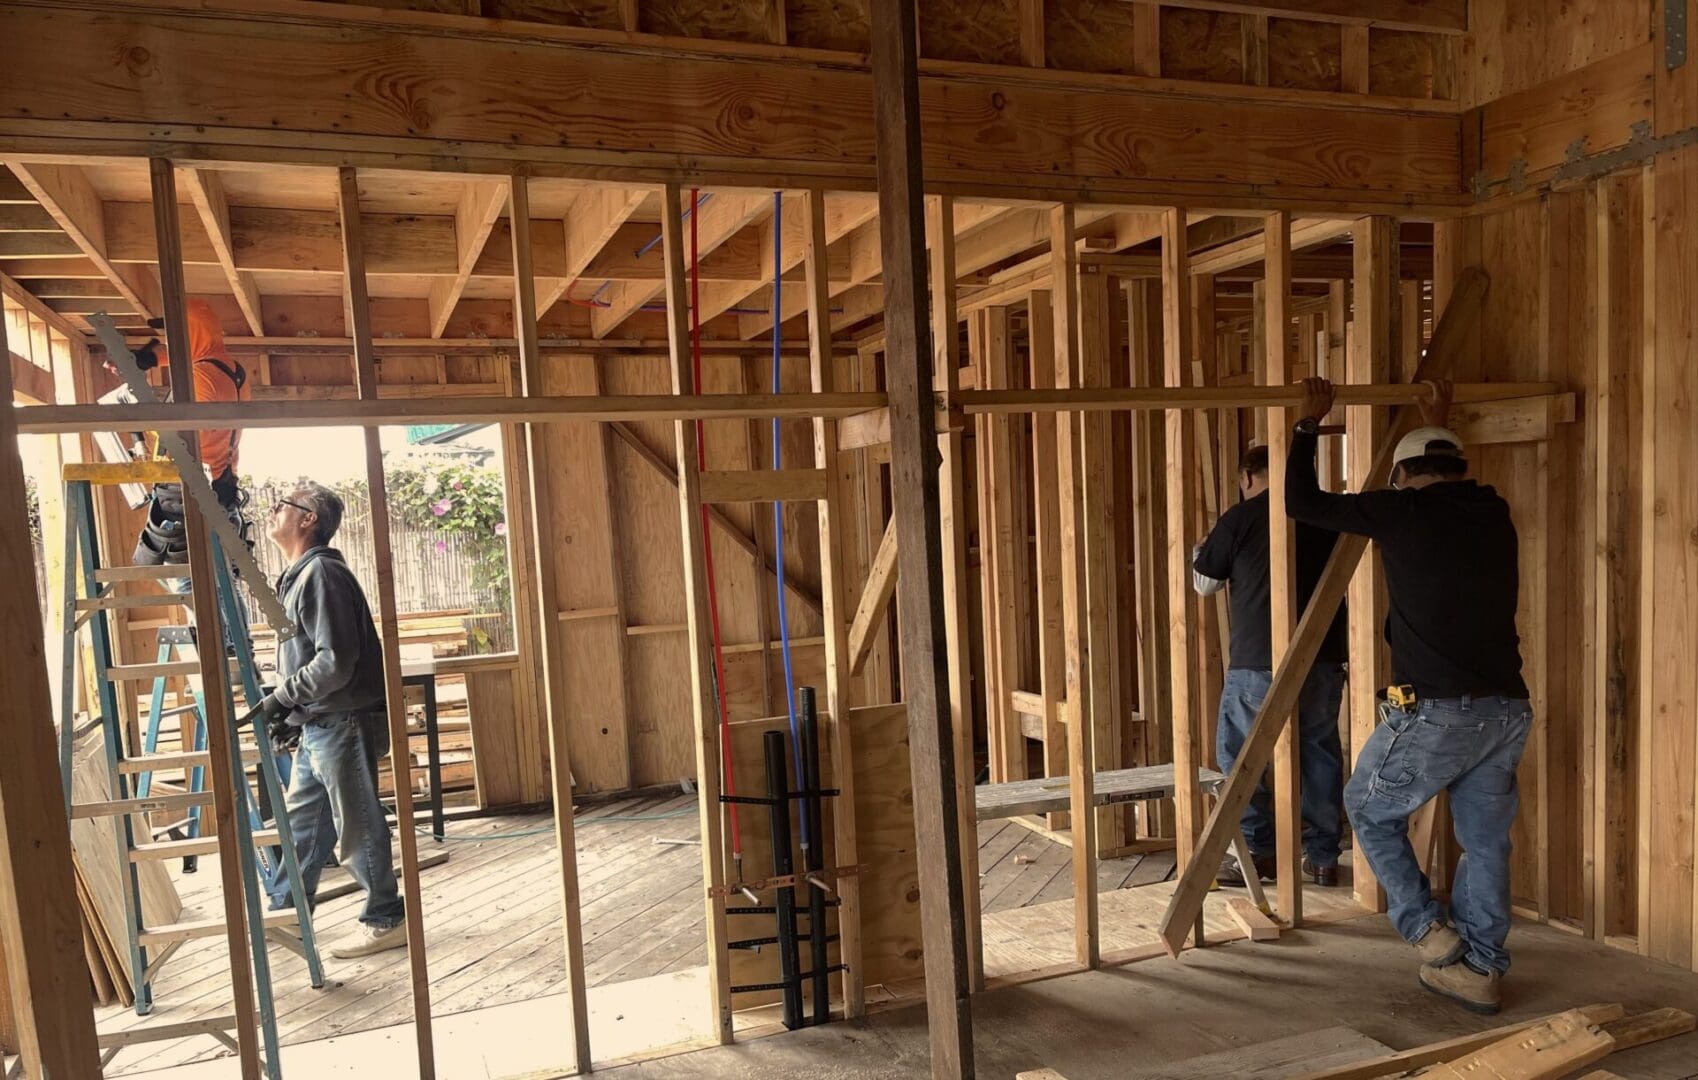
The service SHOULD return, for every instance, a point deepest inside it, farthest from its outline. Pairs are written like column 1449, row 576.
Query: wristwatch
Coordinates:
column 1307, row 426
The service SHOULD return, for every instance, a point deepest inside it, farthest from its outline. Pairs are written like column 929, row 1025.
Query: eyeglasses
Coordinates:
column 281, row 503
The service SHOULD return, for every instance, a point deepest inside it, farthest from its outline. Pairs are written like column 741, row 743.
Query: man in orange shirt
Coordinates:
column 217, row 378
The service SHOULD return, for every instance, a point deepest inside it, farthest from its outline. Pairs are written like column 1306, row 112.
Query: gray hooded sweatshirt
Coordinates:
column 334, row 663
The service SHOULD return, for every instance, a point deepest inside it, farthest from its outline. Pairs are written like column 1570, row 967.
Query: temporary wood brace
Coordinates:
column 1187, row 903
column 782, row 881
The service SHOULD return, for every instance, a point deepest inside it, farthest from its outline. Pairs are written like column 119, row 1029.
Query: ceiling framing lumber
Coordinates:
column 206, row 190
column 595, row 217
column 65, row 192
column 844, row 215
column 718, row 220
column 481, row 203
column 1425, row 16
column 755, row 120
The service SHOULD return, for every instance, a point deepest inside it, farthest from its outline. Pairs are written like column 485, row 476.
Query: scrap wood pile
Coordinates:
column 100, row 865
column 454, row 742
column 1551, row 1048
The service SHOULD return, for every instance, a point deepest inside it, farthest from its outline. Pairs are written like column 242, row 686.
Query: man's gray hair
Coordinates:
column 326, row 504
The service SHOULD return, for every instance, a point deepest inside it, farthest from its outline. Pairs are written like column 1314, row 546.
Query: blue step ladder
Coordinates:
column 90, row 604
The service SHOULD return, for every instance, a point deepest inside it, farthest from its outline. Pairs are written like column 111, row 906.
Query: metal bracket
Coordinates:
column 1517, row 178
column 1674, row 34
column 787, row 880
column 194, row 481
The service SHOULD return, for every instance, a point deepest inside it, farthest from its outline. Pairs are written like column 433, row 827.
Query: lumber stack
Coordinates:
column 454, row 740
column 100, row 866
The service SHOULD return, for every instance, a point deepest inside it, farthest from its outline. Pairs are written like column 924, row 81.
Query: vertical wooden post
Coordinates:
column 547, row 611
column 833, row 613
column 1373, row 340
column 1046, row 511
column 1330, row 454
column 215, row 672
column 1076, row 629
column 40, row 924
column 946, row 380
column 401, row 760
column 702, row 701
column 918, row 505
column 1282, row 567
column 1214, row 633
column 1149, row 544
column 1181, row 518
column 992, row 353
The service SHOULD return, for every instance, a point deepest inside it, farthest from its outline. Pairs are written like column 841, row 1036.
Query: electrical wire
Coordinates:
column 778, row 508
column 730, row 781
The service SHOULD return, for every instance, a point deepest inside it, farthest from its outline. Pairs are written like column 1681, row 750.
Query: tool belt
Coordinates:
column 164, row 539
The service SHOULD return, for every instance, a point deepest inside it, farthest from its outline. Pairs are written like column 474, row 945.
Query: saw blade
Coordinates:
column 195, row 483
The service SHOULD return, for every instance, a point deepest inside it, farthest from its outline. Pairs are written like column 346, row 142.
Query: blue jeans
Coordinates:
column 1321, row 760
column 333, row 805
column 1470, row 747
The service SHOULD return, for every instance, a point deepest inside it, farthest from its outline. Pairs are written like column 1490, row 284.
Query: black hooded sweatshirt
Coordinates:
column 1452, row 574
column 334, row 663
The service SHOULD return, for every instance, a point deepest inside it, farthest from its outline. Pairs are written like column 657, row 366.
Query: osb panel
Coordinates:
column 1304, row 55
column 595, row 14
column 661, row 722
column 494, row 712
column 828, row 24
column 1402, row 64
column 981, row 31
column 722, row 20
column 1202, row 45
column 1089, row 35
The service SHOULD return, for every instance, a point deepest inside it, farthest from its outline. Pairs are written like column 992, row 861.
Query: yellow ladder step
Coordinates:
column 177, row 759
column 171, row 669
column 199, row 928
column 150, row 804
column 199, row 845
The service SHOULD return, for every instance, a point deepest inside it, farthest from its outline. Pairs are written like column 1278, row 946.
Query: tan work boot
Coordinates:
column 1465, row 986
column 1441, row 946
column 370, row 940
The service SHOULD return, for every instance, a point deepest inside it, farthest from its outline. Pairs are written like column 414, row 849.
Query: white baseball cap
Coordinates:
column 1419, row 443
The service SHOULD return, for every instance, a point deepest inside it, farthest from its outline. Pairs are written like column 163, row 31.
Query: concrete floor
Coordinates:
column 1126, row 1021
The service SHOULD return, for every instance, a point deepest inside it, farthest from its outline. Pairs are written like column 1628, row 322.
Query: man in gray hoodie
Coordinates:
column 329, row 705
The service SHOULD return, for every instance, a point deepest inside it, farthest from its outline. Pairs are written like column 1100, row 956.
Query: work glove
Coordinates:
column 284, row 735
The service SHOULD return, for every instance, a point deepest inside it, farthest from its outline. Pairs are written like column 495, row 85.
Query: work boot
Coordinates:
column 1476, row 991
column 1231, row 873
column 1324, row 876
column 370, row 940
column 1440, row 946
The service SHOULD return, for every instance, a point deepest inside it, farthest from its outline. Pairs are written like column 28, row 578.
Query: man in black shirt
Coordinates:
column 1236, row 553
column 1449, row 549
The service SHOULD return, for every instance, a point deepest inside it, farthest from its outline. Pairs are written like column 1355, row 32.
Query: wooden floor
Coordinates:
column 492, row 924
column 492, row 930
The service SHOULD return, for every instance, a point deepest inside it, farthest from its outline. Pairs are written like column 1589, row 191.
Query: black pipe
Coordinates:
column 783, row 865
column 810, row 730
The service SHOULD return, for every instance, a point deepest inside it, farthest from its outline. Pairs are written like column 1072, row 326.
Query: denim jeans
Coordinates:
column 1321, row 760
column 1470, row 747
column 333, row 804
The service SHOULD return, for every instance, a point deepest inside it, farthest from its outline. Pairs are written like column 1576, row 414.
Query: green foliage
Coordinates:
column 457, row 498
column 32, row 501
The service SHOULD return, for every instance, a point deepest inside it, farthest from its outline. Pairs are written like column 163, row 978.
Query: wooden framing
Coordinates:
column 365, row 379
column 918, row 502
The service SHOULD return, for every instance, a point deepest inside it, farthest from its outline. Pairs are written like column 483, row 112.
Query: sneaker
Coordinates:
column 1231, row 873
column 1324, row 876
column 1475, row 991
column 1440, row 946
column 371, row 940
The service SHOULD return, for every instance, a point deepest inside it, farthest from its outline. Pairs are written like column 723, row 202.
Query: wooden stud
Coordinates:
column 1353, row 68
column 358, row 308
column 1181, row 495
column 1098, row 342
column 1373, row 341
column 1256, row 49
column 1046, row 508
column 838, row 732
column 549, row 630
column 1283, row 601
column 875, row 600
column 992, row 352
column 1146, row 39
column 1075, row 619
column 40, row 923
column 1032, row 33
column 918, row 505
column 207, row 190
column 1149, row 528
column 215, row 674
column 946, row 380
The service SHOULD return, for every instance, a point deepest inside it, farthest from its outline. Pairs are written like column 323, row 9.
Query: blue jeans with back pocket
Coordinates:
column 1470, row 747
